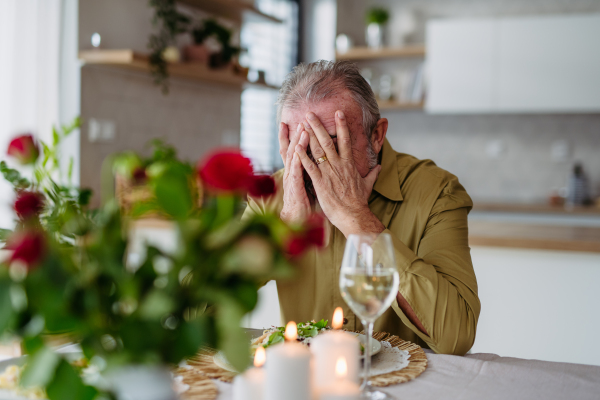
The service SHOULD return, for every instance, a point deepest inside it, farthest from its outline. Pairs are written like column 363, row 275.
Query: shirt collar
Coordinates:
column 387, row 183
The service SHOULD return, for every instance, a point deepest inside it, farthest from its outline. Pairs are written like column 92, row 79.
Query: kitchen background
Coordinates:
column 537, row 265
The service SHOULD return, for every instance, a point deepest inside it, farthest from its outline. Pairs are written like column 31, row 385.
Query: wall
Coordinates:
column 525, row 171
column 194, row 117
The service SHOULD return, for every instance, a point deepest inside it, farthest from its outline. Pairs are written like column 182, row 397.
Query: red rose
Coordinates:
column 296, row 246
column 28, row 247
column 24, row 149
column 262, row 186
column 315, row 230
column 29, row 204
column 226, row 170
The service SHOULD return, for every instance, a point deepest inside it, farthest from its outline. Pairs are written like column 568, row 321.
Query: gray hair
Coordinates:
column 314, row 82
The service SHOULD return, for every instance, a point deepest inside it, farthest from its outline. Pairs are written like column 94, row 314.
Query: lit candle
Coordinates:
column 250, row 384
column 288, row 369
column 330, row 347
column 342, row 388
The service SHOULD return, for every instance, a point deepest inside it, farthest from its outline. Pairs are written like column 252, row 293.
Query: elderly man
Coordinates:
column 339, row 162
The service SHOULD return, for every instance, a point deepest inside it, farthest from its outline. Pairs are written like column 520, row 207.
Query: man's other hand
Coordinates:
column 296, row 206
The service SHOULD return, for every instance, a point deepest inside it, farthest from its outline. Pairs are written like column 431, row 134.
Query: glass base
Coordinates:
column 372, row 393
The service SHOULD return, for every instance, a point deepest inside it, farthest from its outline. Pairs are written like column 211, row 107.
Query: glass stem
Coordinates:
column 367, row 362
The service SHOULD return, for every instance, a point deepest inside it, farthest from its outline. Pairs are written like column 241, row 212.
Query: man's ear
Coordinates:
column 378, row 135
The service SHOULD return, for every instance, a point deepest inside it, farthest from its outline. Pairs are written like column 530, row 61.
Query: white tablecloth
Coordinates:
column 488, row 376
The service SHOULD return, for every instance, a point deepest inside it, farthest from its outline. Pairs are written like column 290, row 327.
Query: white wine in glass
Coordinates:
column 369, row 284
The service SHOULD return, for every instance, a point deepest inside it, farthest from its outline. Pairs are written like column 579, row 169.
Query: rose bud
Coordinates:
column 29, row 204
column 139, row 175
column 28, row 247
column 262, row 186
column 296, row 245
column 226, row 170
column 24, row 149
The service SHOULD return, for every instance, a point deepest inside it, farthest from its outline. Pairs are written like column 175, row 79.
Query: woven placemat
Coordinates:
column 201, row 387
column 203, row 366
column 417, row 363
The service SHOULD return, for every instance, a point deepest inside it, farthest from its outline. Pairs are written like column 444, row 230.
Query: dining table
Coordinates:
column 479, row 376
column 484, row 376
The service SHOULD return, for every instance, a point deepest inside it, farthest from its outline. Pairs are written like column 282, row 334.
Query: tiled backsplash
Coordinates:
column 194, row 116
column 505, row 158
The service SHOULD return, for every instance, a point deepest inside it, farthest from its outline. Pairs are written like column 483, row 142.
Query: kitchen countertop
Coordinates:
column 535, row 227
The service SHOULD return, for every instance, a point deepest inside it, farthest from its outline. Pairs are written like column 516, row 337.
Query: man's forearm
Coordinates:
column 410, row 313
column 361, row 222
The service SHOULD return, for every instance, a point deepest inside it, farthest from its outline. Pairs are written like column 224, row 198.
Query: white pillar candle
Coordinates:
column 250, row 385
column 342, row 388
column 288, row 369
column 329, row 347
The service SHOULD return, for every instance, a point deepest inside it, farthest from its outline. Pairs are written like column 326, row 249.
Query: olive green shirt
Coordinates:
column 424, row 209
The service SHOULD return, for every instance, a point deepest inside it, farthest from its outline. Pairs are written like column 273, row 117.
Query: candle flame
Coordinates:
column 291, row 331
column 341, row 368
column 259, row 357
column 338, row 318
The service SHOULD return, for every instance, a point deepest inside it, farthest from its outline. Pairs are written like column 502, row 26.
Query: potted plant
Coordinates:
column 71, row 271
column 197, row 52
column 376, row 19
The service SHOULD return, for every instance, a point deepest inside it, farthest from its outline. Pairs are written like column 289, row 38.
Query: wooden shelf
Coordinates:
column 129, row 59
column 365, row 53
column 235, row 10
column 395, row 105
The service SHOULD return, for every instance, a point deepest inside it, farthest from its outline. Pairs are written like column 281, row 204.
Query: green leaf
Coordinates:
column 275, row 337
column 321, row 324
column 4, row 234
column 40, row 369
column 233, row 341
column 13, row 176
column 84, row 196
column 68, row 129
column 156, row 305
column 6, row 310
column 55, row 137
column 173, row 193
column 308, row 332
column 67, row 384
column 47, row 153
column 125, row 163
column 70, row 170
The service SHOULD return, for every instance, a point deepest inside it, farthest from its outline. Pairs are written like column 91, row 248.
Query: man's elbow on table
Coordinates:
column 457, row 340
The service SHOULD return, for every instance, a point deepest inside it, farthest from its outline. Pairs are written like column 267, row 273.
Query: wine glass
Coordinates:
column 369, row 284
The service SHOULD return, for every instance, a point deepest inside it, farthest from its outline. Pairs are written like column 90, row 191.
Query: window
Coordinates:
column 272, row 49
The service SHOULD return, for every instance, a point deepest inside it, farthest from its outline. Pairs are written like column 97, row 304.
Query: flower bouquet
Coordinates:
column 70, row 269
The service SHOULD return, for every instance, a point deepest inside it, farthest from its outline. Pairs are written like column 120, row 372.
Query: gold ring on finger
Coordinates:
column 321, row 160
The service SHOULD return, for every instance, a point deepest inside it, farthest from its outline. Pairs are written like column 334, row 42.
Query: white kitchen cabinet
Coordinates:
column 540, row 64
column 538, row 304
column 460, row 62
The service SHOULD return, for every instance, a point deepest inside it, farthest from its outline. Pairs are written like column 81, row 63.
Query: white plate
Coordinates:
column 221, row 361
column 375, row 344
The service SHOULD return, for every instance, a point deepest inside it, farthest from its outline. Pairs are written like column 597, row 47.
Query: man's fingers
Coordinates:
column 322, row 135
column 293, row 142
column 304, row 139
column 310, row 167
column 296, row 171
column 284, row 141
column 343, row 136
column 315, row 147
column 372, row 176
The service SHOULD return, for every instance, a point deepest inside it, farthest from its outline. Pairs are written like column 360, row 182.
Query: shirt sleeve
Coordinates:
column 438, row 281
